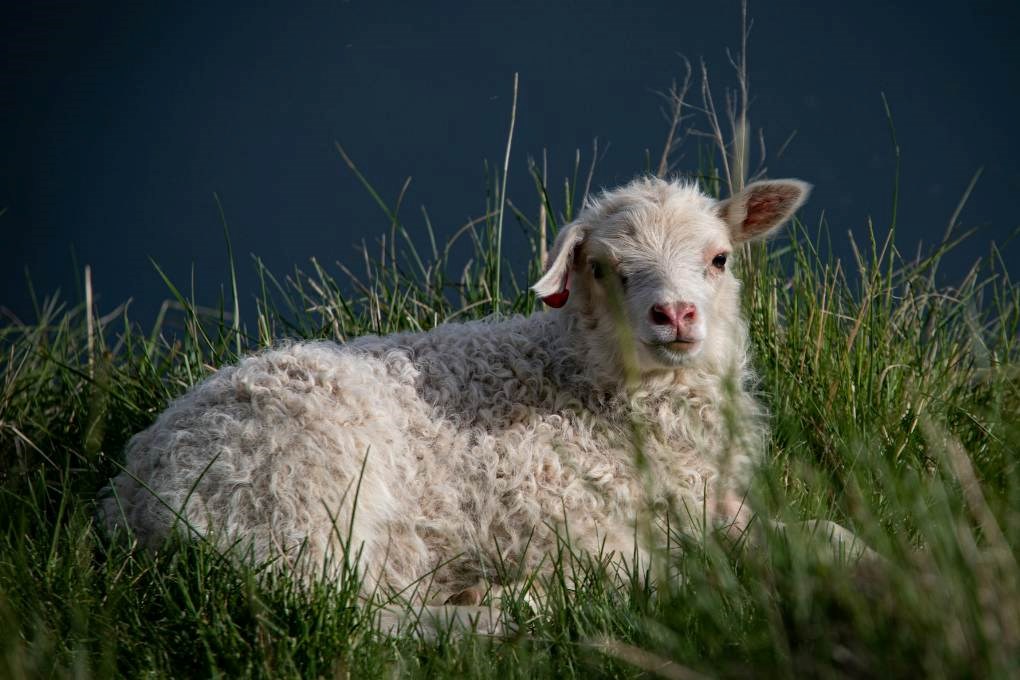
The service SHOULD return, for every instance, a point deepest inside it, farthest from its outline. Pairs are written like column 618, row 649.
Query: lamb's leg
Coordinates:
column 733, row 515
column 837, row 543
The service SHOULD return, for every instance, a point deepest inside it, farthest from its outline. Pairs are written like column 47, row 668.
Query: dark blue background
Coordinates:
column 119, row 123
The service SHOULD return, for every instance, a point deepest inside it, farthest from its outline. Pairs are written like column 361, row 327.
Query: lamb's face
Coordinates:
column 656, row 256
column 661, row 257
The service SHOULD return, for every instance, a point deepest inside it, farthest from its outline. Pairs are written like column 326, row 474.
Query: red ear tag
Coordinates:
column 557, row 299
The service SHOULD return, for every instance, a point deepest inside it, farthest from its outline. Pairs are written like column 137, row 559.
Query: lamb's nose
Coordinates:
column 680, row 315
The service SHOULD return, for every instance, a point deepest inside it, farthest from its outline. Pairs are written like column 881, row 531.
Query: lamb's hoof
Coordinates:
column 469, row 597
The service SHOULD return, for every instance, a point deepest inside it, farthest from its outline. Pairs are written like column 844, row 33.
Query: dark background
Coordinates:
column 118, row 123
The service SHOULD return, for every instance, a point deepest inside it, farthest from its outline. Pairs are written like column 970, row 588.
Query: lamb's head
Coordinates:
column 654, row 256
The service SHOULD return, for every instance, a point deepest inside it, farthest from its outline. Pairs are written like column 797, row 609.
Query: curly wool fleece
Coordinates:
column 474, row 444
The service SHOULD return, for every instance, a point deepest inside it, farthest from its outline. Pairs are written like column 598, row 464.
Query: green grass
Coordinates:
column 894, row 402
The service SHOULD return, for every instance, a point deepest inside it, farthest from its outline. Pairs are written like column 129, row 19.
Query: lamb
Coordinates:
column 481, row 444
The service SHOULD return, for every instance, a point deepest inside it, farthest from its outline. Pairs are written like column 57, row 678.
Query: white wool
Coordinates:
column 477, row 444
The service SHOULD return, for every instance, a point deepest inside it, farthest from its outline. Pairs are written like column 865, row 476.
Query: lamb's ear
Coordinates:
column 762, row 206
column 554, row 286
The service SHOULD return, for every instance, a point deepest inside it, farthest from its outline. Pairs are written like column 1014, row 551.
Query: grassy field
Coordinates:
column 894, row 401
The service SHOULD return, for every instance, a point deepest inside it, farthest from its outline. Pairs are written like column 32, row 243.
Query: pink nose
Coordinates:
column 680, row 315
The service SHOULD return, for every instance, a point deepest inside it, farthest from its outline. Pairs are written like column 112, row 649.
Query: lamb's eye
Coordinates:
column 719, row 261
column 597, row 270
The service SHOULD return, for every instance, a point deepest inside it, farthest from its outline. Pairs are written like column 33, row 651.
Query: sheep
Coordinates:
column 439, row 456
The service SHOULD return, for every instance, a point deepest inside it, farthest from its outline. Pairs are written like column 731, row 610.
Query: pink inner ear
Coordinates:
column 763, row 210
column 560, row 298
column 557, row 299
column 766, row 208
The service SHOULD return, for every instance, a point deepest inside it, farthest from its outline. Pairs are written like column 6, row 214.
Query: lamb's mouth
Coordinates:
column 675, row 350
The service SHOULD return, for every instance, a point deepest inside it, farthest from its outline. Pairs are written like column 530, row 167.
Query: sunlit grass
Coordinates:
column 894, row 405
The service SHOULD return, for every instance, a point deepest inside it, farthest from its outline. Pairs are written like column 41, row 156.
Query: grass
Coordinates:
column 894, row 402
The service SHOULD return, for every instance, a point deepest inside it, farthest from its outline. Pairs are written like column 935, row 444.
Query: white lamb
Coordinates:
column 477, row 444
